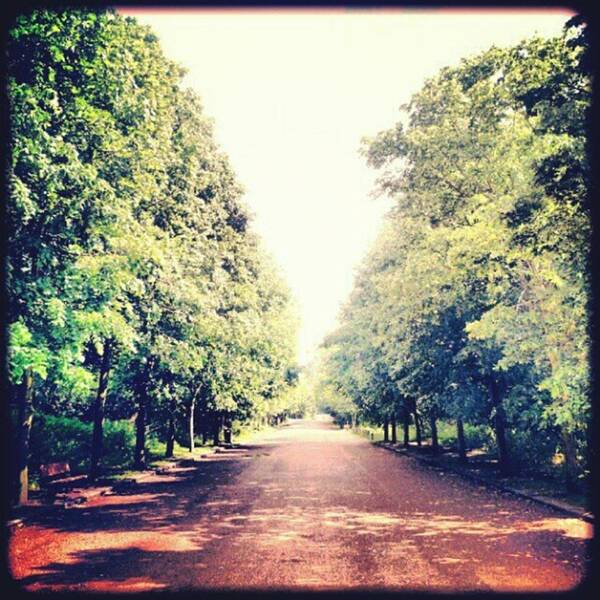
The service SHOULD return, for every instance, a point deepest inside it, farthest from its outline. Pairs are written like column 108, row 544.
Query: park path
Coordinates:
column 308, row 506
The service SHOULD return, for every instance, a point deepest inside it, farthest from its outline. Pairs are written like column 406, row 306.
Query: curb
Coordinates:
column 543, row 500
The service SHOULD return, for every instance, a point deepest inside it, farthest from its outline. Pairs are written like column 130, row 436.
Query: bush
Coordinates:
column 476, row 436
column 154, row 447
column 119, row 443
column 58, row 439
column 534, row 449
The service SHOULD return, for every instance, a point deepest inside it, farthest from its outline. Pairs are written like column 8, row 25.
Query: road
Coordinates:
column 308, row 506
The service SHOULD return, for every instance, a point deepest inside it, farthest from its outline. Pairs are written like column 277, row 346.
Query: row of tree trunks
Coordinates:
column 219, row 423
column 391, row 425
column 410, row 408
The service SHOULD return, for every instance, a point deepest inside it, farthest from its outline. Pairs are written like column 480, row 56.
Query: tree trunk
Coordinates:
column 140, row 433
column 25, row 416
column 191, row 423
column 99, row 410
column 568, row 444
column 386, row 430
column 435, row 445
column 394, row 433
column 217, row 430
column 460, row 436
column 227, row 426
column 406, row 426
column 140, row 421
column 170, row 435
column 417, row 427
column 499, row 428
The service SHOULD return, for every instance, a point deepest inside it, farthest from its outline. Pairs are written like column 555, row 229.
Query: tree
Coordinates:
column 135, row 282
column 473, row 302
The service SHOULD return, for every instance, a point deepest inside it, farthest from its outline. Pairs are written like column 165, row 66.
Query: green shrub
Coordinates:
column 476, row 436
column 533, row 449
column 155, row 447
column 58, row 439
column 119, row 443
column 446, row 433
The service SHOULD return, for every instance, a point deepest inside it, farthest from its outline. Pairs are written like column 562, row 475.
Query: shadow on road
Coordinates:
column 217, row 520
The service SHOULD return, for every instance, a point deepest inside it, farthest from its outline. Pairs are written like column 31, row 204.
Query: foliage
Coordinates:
column 68, row 439
column 136, row 285
column 472, row 304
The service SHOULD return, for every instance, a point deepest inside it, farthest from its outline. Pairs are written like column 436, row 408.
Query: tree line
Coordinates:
column 136, row 287
column 472, row 305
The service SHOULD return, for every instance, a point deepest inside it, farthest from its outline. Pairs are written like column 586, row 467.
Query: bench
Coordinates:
column 54, row 470
column 56, row 478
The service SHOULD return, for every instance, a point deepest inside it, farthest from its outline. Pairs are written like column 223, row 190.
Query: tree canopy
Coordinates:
column 136, row 286
column 473, row 303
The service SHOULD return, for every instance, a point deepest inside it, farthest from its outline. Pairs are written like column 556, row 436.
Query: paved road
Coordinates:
column 308, row 506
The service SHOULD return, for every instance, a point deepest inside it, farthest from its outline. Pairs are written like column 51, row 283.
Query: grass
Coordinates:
column 156, row 451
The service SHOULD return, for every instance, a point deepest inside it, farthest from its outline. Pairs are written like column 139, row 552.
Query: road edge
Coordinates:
column 543, row 500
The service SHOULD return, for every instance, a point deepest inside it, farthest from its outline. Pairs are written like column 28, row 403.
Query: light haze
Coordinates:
column 292, row 94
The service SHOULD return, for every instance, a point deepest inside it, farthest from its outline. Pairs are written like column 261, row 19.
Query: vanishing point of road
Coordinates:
column 307, row 506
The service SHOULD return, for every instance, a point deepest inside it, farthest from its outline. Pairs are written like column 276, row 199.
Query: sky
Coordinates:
column 292, row 94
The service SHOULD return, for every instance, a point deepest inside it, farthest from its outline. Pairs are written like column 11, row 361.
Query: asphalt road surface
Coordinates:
column 308, row 506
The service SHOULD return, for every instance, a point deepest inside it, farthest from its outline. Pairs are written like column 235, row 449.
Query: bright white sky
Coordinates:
column 292, row 94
